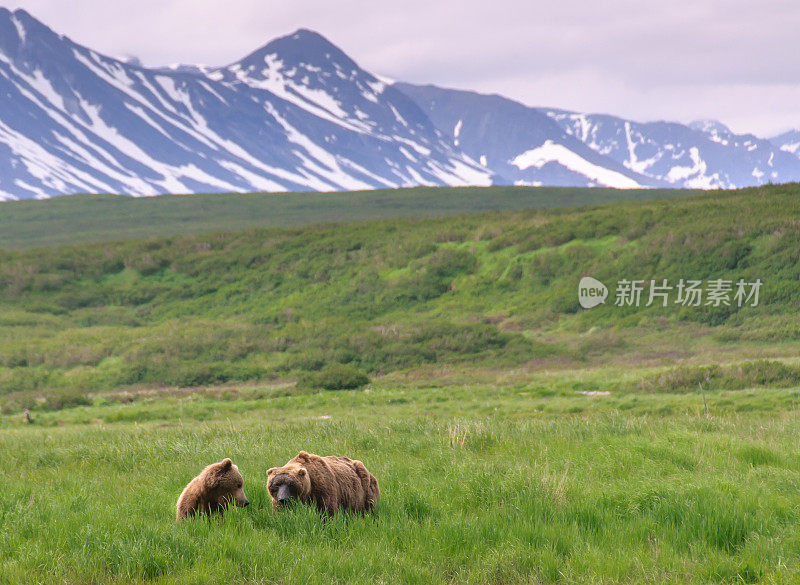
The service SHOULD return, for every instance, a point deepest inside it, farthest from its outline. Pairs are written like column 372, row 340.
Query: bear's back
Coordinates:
column 358, row 488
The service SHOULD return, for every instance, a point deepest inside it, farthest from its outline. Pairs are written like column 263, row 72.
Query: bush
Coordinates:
column 25, row 379
column 335, row 377
column 431, row 277
column 765, row 373
column 757, row 373
column 65, row 399
column 386, row 348
column 189, row 374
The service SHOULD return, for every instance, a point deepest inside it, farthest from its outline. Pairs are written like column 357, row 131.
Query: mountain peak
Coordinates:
column 25, row 22
column 302, row 47
column 22, row 13
column 710, row 126
column 306, row 33
column 305, row 40
column 18, row 28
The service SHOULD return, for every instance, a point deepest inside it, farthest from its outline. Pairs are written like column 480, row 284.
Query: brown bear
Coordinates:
column 329, row 482
column 218, row 485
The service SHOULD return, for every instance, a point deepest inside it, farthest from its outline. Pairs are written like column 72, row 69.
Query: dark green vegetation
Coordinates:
column 334, row 377
column 517, row 438
column 496, row 290
column 90, row 218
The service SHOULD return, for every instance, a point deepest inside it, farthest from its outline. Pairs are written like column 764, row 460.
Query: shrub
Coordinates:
column 764, row 373
column 335, row 377
column 683, row 378
column 25, row 379
column 431, row 277
column 734, row 377
column 193, row 374
column 65, row 399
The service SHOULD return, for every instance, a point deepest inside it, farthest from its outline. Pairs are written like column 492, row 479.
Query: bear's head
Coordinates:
column 288, row 483
column 225, row 484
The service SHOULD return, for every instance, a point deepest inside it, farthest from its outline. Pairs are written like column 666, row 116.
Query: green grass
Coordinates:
column 508, row 483
column 90, row 218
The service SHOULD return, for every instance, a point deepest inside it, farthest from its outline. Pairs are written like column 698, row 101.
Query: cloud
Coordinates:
column 684, row 59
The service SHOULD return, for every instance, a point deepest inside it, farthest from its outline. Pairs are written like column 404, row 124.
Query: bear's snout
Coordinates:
column 284, row 495
column 239, row 499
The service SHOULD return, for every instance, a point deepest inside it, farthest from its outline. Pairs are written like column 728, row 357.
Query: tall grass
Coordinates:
column 478, row 485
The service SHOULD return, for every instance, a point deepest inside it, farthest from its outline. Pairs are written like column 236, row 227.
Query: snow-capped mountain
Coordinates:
column 522, row 145
column 297, row 114
column 548, row 146
column 703, row 155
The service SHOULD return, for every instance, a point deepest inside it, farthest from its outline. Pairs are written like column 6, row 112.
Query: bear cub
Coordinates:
column 218, row 485
column 331, row 483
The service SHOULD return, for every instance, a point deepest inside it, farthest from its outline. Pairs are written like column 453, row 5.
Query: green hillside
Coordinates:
column 89, row 218
column 492, row 290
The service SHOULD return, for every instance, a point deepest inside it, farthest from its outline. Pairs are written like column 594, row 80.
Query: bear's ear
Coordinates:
column 302, row 472
column 226, row 464
column 302, row 455
column 271, row 470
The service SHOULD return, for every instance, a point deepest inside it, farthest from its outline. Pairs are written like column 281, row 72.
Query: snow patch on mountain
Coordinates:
column 788, row 142
column 550, row 152
column 21, row 32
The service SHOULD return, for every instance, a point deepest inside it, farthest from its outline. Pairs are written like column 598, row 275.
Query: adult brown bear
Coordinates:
column 332, row 483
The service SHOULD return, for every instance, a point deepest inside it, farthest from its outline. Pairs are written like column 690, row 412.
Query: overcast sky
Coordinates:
column 733, row 60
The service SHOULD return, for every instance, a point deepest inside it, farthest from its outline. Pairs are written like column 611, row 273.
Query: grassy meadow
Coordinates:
column 517, row 438
column 515, row 482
